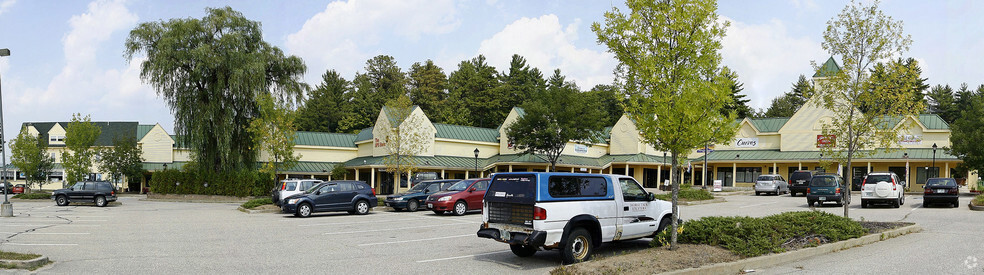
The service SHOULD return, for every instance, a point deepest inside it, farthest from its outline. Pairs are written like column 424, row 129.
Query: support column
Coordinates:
column 627, row 170
column 869, row 169
column 372, row 177
column 692, row 170
column 466, row 174
column 442, row 174
column 329, row 177
column 775, row 168
column 946, row 172
column 510, row 168
column 659, row 176
column 800, row 167
column 907, row 182
column 572, row 169
column 734, row 174
column 356, row 173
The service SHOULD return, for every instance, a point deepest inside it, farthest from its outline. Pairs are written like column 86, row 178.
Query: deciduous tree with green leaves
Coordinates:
column 29, row 153
column 669, row 73
column 406, row 137
column 80, row 137
column 551, row 122
column 275, row 133
column 210, row 72
column 861, row 35
column 123, row 160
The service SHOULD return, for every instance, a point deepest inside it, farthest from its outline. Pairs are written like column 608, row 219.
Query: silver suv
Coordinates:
column 292, row 187
column 771, row 183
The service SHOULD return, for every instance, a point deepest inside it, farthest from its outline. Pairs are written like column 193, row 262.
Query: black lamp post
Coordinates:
column 476, row 161
column 934, row 161
column 6, row 209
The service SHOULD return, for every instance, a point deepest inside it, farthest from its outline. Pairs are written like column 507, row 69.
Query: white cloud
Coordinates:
column 767, row 58
column 5, row 5
column 346, row 34
column 548, row 45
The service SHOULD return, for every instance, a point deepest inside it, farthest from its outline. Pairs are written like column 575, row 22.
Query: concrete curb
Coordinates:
column 714, row 200
column 974, row 207
column 251, row 211
column 26, row 264
column 796, row 255
column 733, row 193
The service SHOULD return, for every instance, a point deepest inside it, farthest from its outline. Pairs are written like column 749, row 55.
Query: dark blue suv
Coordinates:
column 412, row 199
column 356, row 197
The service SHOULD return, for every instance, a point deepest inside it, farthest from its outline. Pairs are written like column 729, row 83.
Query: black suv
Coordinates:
column 98, row 192
column 799, row 181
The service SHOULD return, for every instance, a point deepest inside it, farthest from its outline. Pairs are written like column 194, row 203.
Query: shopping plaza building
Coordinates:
column 760, row 146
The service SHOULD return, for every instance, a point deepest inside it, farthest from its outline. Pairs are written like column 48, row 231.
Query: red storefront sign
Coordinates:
column 824, row 141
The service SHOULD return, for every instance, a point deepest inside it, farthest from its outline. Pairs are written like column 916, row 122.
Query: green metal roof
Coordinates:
column 365, row 134
column 109, row 131
column 933, row 122
column 312, row 167
column 769, row 125
column 829, row 68
column 776, row 155
column 325, row 139
column 142, row 131
column 458, row 132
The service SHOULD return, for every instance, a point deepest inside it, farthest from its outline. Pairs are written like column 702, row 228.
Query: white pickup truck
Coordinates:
column 572, row 212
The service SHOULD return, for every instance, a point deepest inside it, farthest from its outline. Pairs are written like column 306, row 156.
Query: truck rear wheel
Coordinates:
column 576, row 247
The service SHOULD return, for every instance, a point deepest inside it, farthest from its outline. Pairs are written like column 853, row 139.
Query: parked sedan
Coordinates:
column 941, row 190
column 771, row 184
column 459, row 198
column 413, row 198
column 18, row 189
column 98, row 192
column 356, row 197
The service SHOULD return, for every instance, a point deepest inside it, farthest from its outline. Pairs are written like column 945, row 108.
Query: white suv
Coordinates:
column 292, row 187
column 572, row 212
column 882, row 187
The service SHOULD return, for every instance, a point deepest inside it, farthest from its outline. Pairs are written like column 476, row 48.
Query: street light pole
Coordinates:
column 476, row 161
column 6, row 209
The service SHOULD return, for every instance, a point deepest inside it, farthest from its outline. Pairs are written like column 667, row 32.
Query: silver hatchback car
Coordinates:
column 771, row 183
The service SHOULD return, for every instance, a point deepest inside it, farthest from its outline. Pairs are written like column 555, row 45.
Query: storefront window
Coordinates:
column 747, row 174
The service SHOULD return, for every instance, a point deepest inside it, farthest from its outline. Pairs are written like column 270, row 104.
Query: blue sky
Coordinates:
column 67, row 56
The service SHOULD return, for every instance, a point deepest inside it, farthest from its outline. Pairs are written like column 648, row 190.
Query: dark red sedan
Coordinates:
column 18, row 189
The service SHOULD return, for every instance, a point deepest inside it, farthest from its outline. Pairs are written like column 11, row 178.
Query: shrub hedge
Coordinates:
column 693, row 194
column 751, row 237
column 239, row 183
column 34, row 196
column 978, row 200
column 257, row 202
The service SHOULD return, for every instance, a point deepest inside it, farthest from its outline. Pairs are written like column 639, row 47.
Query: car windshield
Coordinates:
column 313, row 189
column 419, row 187
column 941, row 182
column 823, row 182
column 461, row 185
column 878, row 178
column 765, row 178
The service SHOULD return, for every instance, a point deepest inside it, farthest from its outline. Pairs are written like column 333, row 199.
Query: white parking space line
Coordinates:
column 761, row 204
column 348, row 223
column 29, row 224
column 89, row 220
column 420, row 240
column 395, row 229
column 42, row 244
column 460, row 257
column 45, row 233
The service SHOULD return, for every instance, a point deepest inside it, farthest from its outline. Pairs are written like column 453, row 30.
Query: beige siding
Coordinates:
column 181, row 155
column 446, row 147
column 504, row 137
column 56, row 130
column 800, row 132
column 156, row 146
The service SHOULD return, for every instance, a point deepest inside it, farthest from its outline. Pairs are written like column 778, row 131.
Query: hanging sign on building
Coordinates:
column 910, row 140
column 746, row 142
column 709, row 149
column 825, row 141
column 581, row 149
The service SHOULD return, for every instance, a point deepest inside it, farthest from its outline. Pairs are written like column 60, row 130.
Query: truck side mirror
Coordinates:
column 651, row 197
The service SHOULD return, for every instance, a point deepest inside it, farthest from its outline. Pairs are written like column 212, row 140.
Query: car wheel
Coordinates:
column 303, row 210
column 576, row 246
column 956, row 204
column 663, row 224
column 864, row 204
column 810, row 203
column 460, row 208
column 412, row 205
column 777, row 191
column 100, row 201
column 438, row 212
column 902, row 199
column 758, row 193
column 361, row 207
column 522, row 250
column 61, row 200
column 896, row 203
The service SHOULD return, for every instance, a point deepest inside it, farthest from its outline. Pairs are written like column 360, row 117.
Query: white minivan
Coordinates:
column 572, row 212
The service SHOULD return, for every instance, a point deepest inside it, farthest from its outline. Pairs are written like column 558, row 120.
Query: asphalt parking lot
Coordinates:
column 171, row 237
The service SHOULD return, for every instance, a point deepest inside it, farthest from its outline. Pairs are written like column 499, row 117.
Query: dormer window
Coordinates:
column 56, row 139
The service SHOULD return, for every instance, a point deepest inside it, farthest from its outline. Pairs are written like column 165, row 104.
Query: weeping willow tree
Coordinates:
column 210, row 71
